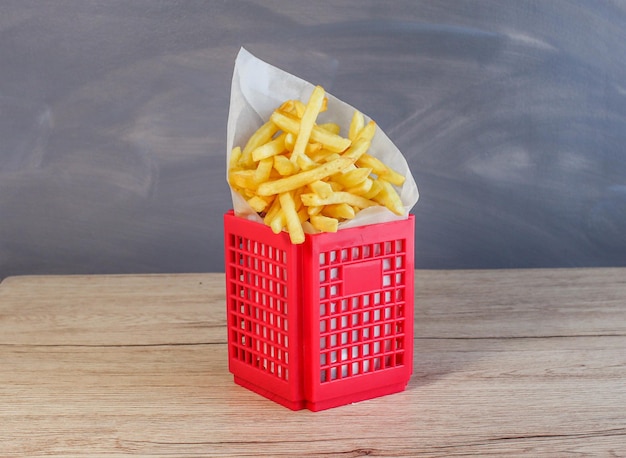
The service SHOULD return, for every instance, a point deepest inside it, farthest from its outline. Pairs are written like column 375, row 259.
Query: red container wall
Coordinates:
column 263, row 311
column 321, row 324
column 360, row 310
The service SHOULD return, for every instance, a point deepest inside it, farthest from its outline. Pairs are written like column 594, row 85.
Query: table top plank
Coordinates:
column 137, row 366
column 113, row 309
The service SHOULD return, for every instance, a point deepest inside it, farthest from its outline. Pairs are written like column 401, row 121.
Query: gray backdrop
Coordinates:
column 512, row 115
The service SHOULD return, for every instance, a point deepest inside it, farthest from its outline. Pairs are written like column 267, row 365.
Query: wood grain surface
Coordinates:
column 507, row 363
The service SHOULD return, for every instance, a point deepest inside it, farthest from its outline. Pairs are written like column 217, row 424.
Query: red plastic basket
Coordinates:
column 325, row 323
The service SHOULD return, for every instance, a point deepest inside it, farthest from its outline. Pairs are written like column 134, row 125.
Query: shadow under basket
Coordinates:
column 325, row 323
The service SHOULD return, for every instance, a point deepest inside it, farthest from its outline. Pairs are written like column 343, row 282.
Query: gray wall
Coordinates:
column 113, row 122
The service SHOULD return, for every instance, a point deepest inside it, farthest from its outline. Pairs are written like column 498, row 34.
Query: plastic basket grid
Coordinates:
column 343, row 335
column 362, row 313
column 259, row 316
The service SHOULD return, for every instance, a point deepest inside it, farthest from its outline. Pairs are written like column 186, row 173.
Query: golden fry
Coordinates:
column 380, row 169
column 340, row 197
column 324, row 223
column 366, row 132
column 339, row 211
column 283, row 165
column 304, row 162
column 321, row 188
column 292, row 219
column 331, row 127
column 353, row 177
column 356, row 125
column 242, row 179
column 290, row 141
column 322, row 155
column 357, row 149
column 303, row 178
column 269, row 149
column 260, row 137
column 374, row 190
column 307, row 121
column 299, row 108
column 263, row 170
column 259, row 204
column 312, row 148
column 272, row 211
column 277, row 223
column 303, row 215
column 389, row 198
column 362, row 188
column 235, row 155
column 296, row 173
column 288, row 106
column 330, row 141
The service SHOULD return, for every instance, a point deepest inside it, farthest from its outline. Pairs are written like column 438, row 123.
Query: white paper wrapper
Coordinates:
column 258, row 88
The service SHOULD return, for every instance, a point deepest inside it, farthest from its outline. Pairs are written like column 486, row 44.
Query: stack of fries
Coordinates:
column 294, row 172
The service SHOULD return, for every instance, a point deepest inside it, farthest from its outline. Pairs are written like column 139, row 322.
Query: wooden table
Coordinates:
column 507, row 363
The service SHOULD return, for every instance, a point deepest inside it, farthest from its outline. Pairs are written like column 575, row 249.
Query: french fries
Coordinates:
column 293, row 170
